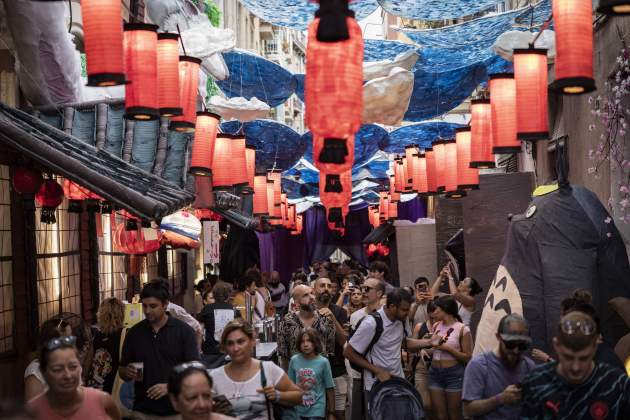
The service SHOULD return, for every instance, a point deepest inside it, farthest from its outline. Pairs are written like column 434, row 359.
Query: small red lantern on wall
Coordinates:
column 467, row 177
column 261, row 202
column 141, row 94
column 188, row 89
column 203, row 144
column 103, row 39
column 573, row 24
column 481, row 134
column 530, row 73
column 49, row 197
column 75, row 195
column 168, row 74
column 26, row 180
column 134, row 241
column 503, row 109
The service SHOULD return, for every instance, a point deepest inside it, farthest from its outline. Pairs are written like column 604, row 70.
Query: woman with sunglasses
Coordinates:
column 190, row 391
column 446, row 374
column 66, row 398
column 246, row 387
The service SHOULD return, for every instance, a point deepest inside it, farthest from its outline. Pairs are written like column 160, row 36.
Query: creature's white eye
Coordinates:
column 530, row 211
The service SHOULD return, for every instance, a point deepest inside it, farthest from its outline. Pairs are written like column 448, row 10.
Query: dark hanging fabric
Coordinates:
column 412, row 210
column 239, row 252
column 282, row 252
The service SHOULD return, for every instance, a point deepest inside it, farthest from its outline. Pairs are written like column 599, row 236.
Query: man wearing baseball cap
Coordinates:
column 492, row 381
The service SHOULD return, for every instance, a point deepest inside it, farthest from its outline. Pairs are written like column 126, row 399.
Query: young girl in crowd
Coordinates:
column 446, row 374
column 312, row 373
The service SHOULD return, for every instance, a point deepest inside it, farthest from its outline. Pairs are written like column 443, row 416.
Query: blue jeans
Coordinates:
column 447, row 379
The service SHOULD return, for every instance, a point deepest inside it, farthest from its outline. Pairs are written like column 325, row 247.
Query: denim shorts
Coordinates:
column 447, row 379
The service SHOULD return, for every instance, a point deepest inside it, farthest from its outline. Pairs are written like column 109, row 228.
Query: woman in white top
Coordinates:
column 464, row 293
column 239, row 384
column 34, row 382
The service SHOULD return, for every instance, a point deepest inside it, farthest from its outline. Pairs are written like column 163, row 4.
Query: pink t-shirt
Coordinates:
column 92, row 407
column 453, row 341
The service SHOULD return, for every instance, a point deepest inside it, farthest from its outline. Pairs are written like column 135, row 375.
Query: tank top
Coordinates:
column 465, row 314
column 453, row 341
column 92, row 407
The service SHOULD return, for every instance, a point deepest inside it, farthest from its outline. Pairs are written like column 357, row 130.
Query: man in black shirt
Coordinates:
column 576, row 387
column 339, row 316
column 159, row 342
column 214, row 318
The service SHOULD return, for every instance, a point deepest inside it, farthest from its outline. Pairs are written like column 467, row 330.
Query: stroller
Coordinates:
column 394, row 399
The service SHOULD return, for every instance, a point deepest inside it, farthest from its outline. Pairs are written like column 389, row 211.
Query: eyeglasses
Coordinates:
column 511, row 345
column 190, row 365
column 56, row 343
column 585, row 326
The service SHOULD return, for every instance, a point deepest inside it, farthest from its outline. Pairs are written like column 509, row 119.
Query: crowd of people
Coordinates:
column 342, row 330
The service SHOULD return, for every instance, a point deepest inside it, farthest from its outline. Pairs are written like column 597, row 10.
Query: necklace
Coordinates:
column 237, row 390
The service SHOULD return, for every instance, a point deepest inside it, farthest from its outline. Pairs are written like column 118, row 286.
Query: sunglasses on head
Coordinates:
column 521, row 345
column 585, row 327
column 56, row 343
column 190, row 365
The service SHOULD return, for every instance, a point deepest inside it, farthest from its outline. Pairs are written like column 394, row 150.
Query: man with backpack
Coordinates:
column 375, row 346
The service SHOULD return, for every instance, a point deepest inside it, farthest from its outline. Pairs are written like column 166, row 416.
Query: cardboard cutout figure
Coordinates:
column 564, row 241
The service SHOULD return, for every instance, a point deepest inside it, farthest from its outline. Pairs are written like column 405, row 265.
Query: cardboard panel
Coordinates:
column 417, row 253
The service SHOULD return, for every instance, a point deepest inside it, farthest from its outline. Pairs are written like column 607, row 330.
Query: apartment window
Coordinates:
column 271, row 47
column 112, row 265
column 7, row 310
column 149, row 269
column 58, row 263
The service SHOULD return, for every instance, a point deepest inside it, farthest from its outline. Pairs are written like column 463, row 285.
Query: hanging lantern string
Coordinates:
column 542, row 29
column 181, row 40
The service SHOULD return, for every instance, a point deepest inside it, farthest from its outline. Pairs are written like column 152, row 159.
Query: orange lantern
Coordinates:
column 103, row 39
column 420, row 184
column 573, row 24
column 614, row 7
column 168, row 74
column 141, row 94
column 392, row 188
column 224, row 164
column 333, row 87
column 503, row 110
column 274, row 211
column 530, row 73
column 333, row 155
column 75, row 194
column 188, row 88
column 429, row 155
column 261, row 202
column 399, row 174
column 467, row 177
column 410, row 151
column 335, row 193
column 204, row 198
column 134, row 241
column 407, row 180
column 440, row 164
column 383, row 204
column 276, row 177
column 203, row 144
column 250, row 161
column 291, row 216
column 481, row 134
column 392, row 209
column 298, row 225
column 450, row 165
column 239, row 162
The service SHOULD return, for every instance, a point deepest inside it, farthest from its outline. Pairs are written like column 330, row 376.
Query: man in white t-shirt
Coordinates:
column 373, row 291
column 383, row 360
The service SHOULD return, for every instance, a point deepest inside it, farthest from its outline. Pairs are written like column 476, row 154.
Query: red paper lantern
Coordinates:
column 298, row 225
column 188, row 88
column 261, row 202
column 204, row 197
column 410, row 151
column 239, row 162
column 573, row 24
column 291, row 217
column 383, row 205
column 614, row 7
column 333, row 87
column 333, row 156
column 399, row 175
column 429, row 155
column 450, row 165
column 530, row 73
column 392, row 188
column 203, row 144
column 141, row 99
column 49, row 197
column 467, row 177
column 420, row 184
column 284, row 216
column 481, row 134
column 274, row 211
column 440, row 164
column 503, row 110
column 168, row 74
column 135, row 242
column 224, row 164
column 392, row 210
column 250, row 162
column 103, row 40
column 75, row 195
column 407, row 175
column 276, row 177
column 335, row 193
column 26, row 180
column 207, row 215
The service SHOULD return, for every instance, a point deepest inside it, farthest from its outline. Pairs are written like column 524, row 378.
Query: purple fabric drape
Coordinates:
column 282, row 252
column 412, row 210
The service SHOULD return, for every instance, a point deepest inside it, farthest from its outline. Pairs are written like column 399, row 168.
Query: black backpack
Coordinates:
column 377, row 336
